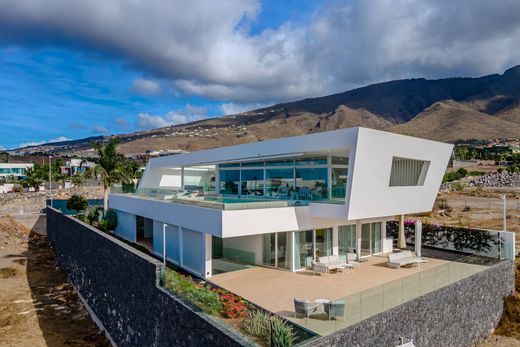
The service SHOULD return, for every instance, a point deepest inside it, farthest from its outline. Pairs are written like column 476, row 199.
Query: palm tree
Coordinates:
column 110, row 167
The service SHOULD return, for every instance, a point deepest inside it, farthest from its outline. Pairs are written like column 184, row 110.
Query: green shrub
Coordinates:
column 282, row 335
column 77, row 203
column 457, row 186
column 94, row 214
column 200, row 296
column 109, row 221
column 462, row 172
column 476, row 173
column 257, row 324
column 82, row 218
column 500, row 170
column 451, row 176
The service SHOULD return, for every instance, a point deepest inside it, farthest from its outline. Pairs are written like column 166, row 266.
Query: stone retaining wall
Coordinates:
column 457, row 315
column 121, row 287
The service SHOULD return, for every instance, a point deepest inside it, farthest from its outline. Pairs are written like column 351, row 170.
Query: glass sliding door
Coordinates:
column 229, row 181
column 252, row 182
column 269, row 249
column 283, row 248
column 370, row 238
column 280, row 182
column 323, row 242
column 347, row 239
column 365, row 239
column 376, row 237
column 303, row 248
column 339, row 183
column 312, row 184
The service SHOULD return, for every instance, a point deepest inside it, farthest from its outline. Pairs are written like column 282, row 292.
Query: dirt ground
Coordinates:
column 477, row 208
column 38, row 307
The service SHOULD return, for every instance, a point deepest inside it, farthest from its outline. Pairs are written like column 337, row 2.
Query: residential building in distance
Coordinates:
column 18, row 170
column 76, row 166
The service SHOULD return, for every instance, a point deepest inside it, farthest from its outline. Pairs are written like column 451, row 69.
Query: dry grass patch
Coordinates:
column 510, row 322
column 7, row 272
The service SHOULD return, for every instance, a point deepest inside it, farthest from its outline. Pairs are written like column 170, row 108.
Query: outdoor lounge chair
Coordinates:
column 403, row 258
column 352, row 259
column 335, row 309
column 329, row 262
column 318, row 267
column 304, row 307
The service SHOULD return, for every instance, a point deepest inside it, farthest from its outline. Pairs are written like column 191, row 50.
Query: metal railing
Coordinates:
column 221, row 202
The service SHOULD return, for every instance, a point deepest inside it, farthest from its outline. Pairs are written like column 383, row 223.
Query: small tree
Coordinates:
column 111, row 167
column 77, row 203
column 109, row 221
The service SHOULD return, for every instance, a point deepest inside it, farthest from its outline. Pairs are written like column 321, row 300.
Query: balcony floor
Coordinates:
column 275, row 290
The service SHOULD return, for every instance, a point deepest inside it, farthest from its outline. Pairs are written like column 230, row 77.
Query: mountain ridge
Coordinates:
column 447, row 109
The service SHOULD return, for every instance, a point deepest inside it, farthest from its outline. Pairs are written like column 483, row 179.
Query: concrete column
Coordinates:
column 418, row 237
column 207, row 255
column 335, row 240
column 401, row 240
column 358, row 238
column 181, row 247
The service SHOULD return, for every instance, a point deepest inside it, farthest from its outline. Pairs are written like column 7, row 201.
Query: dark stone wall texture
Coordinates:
column 121, row 286
column 457, row 315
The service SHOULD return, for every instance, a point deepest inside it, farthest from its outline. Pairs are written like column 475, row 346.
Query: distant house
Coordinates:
column 281, row 203
column 14, row 170
column 76, row 166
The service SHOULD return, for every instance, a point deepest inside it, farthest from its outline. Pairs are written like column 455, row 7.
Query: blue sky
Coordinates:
column 51, row 93
column 80, row 68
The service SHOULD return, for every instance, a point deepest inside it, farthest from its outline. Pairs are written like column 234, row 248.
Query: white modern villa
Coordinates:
column 14, row 170
column 281, row 203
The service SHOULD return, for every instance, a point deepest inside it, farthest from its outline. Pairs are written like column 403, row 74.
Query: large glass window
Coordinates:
column 370, row 238
column 302, row 178
column 280, row 182
column 229, row 181
column 338, row 183
column 347, row 239
column 376, row 237
column 311, row 183
column 253, row 163
column 280, row 162
column 323, row 242
column 253, row 182
column 303, row 249
column 284, row 249
column 268, row 249
column 339, row 160
column 365, row 239
column 311, row 161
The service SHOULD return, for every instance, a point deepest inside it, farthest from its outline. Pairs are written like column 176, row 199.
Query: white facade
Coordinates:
column 14, row 169
column 273, row 202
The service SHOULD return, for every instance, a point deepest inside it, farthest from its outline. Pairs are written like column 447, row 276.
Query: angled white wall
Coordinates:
column 370, row 194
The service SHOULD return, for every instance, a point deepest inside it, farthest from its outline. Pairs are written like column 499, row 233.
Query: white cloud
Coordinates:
column 189, row 113
column 2, row 148
column 146, row 86
column 100, row 130
column 345, row 44
column 232, row 108
column 43, row 142
column 121, row 122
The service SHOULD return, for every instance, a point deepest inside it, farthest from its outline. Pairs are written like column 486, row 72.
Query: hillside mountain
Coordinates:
column 446, row 109
column 446, row 120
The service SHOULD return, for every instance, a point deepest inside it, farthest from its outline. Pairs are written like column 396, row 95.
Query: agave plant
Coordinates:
column 282, row 335
column 257, row 324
